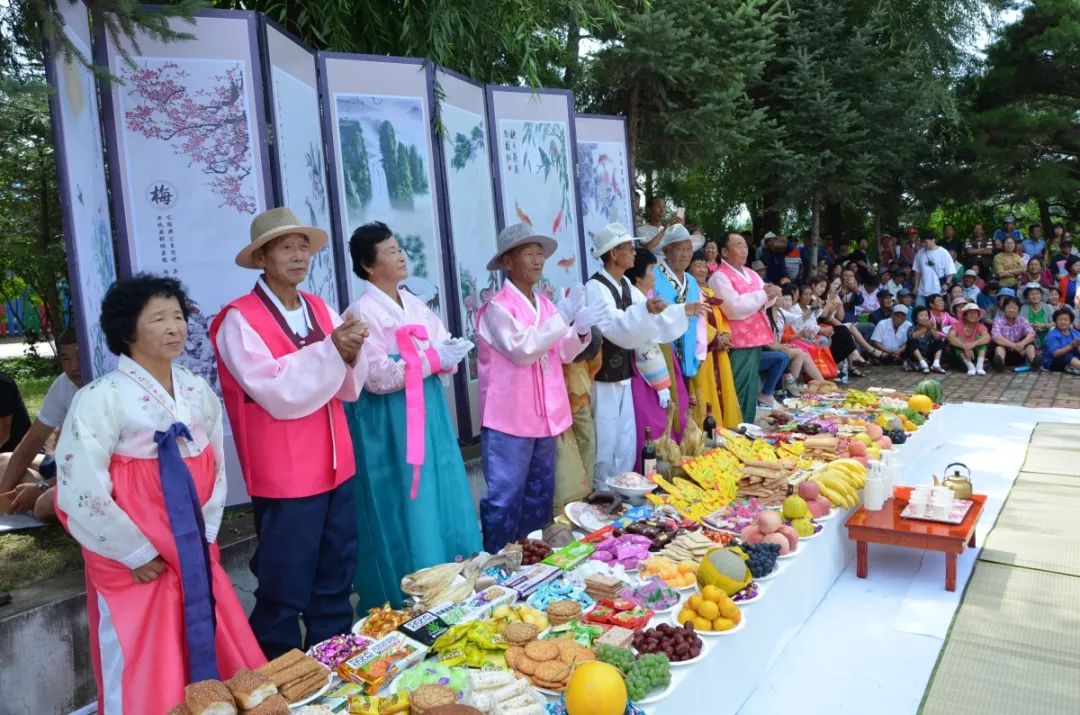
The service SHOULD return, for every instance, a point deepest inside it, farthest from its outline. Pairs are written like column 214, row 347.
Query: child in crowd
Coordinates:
column 524, row 341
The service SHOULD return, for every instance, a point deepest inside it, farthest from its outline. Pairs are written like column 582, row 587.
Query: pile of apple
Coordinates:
column 771, row 529
column 868, row 445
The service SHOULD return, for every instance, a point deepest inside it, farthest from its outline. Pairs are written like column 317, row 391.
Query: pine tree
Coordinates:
column 417, row 170
column 404, row 177
column 388, row 148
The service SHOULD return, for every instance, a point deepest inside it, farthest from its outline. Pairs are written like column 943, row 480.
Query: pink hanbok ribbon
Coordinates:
column 415, row 411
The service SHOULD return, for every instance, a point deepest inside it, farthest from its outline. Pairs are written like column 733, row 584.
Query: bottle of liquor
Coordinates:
column 648, row 454
column 709, row 426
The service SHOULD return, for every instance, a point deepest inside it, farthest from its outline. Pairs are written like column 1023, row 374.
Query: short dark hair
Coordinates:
column 1028, row 290
column 915, row 313
column 1063, row 311
column 1034, row 226
column 1072, row 261
column 643, row 260
column 68, row 337
column 699, row 255
column 125, row 300
column 884, row 293
column 1006, row 299
column 934, row 296
column 363, row 245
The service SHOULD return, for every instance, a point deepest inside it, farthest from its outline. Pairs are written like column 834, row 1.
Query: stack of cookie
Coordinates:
column 426, row 698
column 520, row 633
column 562, row 612
column 603, row 588
column 547, row 664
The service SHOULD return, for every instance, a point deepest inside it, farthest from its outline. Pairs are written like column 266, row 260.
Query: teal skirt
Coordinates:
column 398, row 535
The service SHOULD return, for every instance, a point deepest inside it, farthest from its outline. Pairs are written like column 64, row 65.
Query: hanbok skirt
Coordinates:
column 398, row 535
column 647, row 407
column 137, row 640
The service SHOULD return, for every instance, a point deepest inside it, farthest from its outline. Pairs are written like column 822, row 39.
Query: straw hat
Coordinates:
column 610, row 236
column 273, row 224
column 519, row 234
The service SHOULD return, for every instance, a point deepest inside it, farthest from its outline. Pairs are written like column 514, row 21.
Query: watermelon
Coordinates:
column 932, row 389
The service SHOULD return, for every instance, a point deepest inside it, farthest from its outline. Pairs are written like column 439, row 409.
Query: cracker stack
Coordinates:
column 691, row 546
column 602, row 587
column 766, row 481
column 297, row 676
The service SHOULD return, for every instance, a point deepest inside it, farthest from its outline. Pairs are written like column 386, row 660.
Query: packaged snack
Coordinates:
column 482, row 604
column 381, row 661
column 570, row 556
column 528, row 580
column 337, row 649
column 426, row 673
column 384, row 620
column 425, row 628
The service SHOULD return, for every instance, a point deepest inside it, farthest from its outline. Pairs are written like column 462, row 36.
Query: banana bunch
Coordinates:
column 858, row 398
column 840, row 481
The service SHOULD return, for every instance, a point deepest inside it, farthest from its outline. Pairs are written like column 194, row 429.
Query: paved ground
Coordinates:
column 1033, row 389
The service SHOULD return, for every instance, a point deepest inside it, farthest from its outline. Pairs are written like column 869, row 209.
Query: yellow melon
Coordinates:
column 596, row 688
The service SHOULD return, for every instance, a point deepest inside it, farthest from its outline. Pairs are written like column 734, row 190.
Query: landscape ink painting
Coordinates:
column 385, row 175
column 604, row 183
column 535, row 165
column 87, row 198
column 472, row 213
column 186, row 143
column 303, row 170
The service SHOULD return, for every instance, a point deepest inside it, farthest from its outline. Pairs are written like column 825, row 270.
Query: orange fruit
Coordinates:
column 728, row 609
column 694, row 601
column 701, row 624
column 712, row 593
column 709, row 611
column 685, row 615
column 723, row 624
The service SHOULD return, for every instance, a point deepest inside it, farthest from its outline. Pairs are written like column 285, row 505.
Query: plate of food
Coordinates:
column 316, row 695
column 753, row 592
column 589, row 517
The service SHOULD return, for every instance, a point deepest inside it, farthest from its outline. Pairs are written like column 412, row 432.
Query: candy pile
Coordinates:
column 384, row 620
column 533, row 551
column 653, row 593
column 628, row 550
column 676, row 575
column 559, row 590
column 337, row 649
column 433, row 674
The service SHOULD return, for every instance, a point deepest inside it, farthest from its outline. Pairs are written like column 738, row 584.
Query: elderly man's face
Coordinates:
column 679, row 254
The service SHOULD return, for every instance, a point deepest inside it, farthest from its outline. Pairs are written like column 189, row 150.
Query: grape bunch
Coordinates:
column 621, row 658
column 650, row 671
column 762, row 558
column 678, row 644
column 533, row 551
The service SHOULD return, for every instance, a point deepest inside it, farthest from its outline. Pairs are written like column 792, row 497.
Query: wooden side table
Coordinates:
column 888, row 527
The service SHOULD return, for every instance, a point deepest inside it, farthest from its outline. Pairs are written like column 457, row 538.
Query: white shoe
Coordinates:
column 971, row 371
column 979, row 371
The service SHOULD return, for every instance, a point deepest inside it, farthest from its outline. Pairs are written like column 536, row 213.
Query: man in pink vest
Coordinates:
column 524, row 341
column 286, row 362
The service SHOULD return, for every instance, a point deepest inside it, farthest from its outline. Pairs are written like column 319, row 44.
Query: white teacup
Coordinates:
column 917, row 504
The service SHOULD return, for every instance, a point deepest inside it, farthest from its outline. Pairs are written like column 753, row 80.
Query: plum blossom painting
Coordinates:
column 385, row 175
column 303, row 171
column 604, row 183
column 472, row 213
column 86, row 199
column 535, row 168
column 185, row 134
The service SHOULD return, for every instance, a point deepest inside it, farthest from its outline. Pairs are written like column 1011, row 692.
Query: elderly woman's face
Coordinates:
column 711, row 252
column 1009, row 245
column 1011, row 310
column 390, row 263
column 699, row 270
column 160, row 331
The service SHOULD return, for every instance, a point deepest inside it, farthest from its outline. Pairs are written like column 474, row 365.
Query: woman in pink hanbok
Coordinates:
column 141, row 486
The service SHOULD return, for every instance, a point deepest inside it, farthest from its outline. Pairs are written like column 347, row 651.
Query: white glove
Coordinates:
column 452, row 352
column 571, row 303
column 664, row 396
column 588, row 315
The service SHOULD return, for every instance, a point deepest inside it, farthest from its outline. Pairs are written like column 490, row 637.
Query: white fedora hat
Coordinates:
column 677, row 233
column 273, row 224
column 519, row 234
column 610, row 236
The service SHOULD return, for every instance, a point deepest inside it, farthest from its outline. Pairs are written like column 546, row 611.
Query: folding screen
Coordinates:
column 535, row 176
column 297, row 156
column 603, row 176
column 188, row 162
column 83, row 189
column 470, row 212
column 377, row 120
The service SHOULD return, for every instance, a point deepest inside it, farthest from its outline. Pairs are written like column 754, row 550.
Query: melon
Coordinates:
column 875, row 432
column 596, row 688
column 932, row 389
column 921, row 404
column 725, row 569
column 768, row 521
column 809, row 490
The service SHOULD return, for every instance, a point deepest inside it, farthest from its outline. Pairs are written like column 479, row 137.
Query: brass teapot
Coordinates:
column 959, row 483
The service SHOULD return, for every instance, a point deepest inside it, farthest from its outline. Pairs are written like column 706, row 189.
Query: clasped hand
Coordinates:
column 349, row 338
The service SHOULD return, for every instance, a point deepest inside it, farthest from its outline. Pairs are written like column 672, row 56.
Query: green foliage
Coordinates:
column 419, row 173
column 467, row 147
column 406, row 184
column 413, row 246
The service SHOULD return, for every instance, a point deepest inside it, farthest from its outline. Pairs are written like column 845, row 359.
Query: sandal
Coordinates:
column 856, row 372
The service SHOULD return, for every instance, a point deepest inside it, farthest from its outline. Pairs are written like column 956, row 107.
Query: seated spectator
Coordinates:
column 1035, row 312
column 28, row 477
column 905, row 298
column 939, row 315
column 969, row 339
column 885, row 306
column 1061, row 258
column 783, row 316
column 1053, row 300
column 1035, row 273
column 1013, row 337
column 956, row 292
column 925, row 341
column 1067, row 285
column 772, row 368
column 956, row 305
column 891, row 281
column 1034, row 246
column 759, row 268
column 968, row 285
column 891, row 335
column 1062, row 348
column 14, row 424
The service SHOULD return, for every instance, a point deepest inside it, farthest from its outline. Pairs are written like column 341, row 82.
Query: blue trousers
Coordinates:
column 773, row 366
column 304, row 563
column 520, row 476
